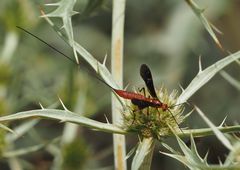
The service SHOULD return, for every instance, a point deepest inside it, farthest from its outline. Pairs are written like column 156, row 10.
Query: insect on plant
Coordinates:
column 141, row 101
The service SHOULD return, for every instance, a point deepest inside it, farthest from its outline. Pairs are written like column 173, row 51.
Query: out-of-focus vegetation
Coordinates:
column 165, row 34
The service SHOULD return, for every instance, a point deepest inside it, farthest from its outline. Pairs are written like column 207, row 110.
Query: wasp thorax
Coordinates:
column 154, row 120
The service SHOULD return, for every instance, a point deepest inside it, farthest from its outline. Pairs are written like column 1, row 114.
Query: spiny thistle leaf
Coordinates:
column 233, row 156
column 65, row 11
column 96, row 65
column 64, row 116
column 189, row 154
column 218, row 133
column 204, row 76
column 143, row 156
column 208, row 26
column 192, row 159
column 65, row 8
column 208, row 131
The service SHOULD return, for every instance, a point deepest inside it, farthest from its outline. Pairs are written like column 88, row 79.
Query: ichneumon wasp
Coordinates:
column 137, row 99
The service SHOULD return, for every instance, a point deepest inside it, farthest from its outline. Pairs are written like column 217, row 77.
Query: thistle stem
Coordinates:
column 117, row 72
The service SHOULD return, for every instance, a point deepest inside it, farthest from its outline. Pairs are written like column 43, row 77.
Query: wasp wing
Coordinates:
column 147, row 77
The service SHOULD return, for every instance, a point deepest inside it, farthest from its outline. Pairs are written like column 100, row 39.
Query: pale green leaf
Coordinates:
column 143, row 156
column 65, row 116
column 204, row 76
column 65, row 11
column 208, row 131
column 218, row 133
column 208, row 26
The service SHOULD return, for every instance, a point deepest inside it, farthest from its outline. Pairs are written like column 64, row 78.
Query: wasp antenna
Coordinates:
column 49, row 45
column 69, row 58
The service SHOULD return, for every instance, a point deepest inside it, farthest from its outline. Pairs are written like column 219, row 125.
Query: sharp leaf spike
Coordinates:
column 216, row 29
column 74, row 13
column 181, row 87
column 200, row 64
column 7, row 129
column 62, row 27
column 206, row 156
column 188, row 114
column 64, row 107
column 62, row 121
column 105, row 59
column 220, row 162
column 53, row 4
column 106, row 119
column 41, row 106
column 125, row 88
column 75, row 54
column 131, row 152
column 98, row 70
column 139, row 139
column 223, row 121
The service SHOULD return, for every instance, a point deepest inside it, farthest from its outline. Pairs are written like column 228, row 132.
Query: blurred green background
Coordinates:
column 164, row 34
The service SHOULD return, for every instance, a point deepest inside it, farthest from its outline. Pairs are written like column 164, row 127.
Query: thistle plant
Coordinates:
column 150, row 124
column 154, row 122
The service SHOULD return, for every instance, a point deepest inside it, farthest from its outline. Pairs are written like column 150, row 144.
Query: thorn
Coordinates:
column 41, row 106
column 106, row 119
column 125, row 88
column 182, row 89
column 216, row 29
column 200, row 64
column 75, row 54
column 62, row 121
column 206, row 155
column 221, row 125
column 41, row 11
column 97, row 71
column 8, row 129
column 139, row 138
column 62, row 27
column 104, row 60
column 74, row 13
column 52, row 4
column 64, row 107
